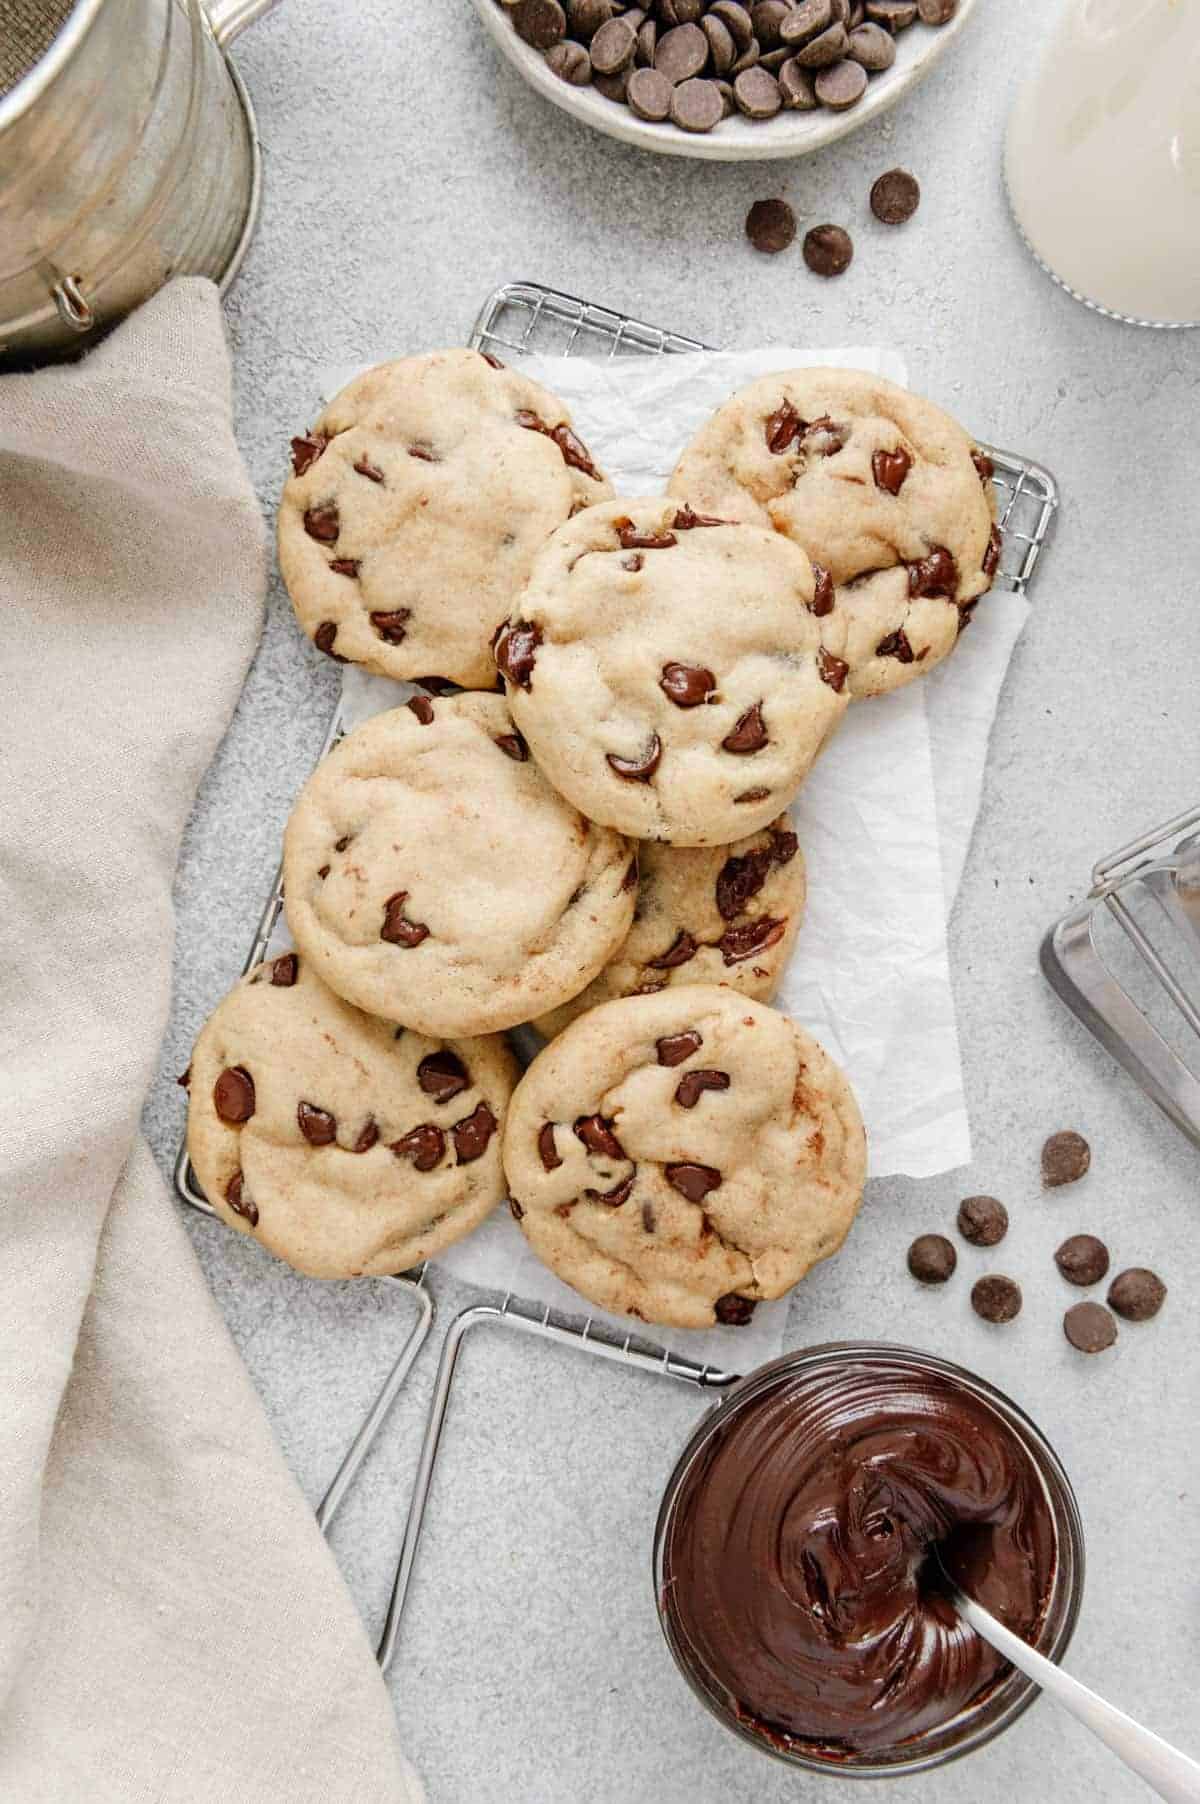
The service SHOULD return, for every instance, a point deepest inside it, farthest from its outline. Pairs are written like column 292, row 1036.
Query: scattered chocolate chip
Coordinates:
column 749, row 734
column 693, row 1084
column 1137, row 1294
column 638, row 770
column 991, row 557
column 985, row 469
column 832, row 670
column 687, row 685
column 634, row 539
column 828, row 250
column 1089, row 1327
column 692, row 1181
column 686, row 519
column 472, row 1133
column 425, row 1146
column 598, row 1137
column 897, row 646
column 932, row 1258
column 983, row 1220
column 322, row 522
column 574, row 451
column 366, row 468
column 542, row 23
column 752, row 795
column 734, row 1311
column 996, row 1299
column 324, row 871
column 391, row 626
column 515, row 650
column 936, row 574
column 306, row 450
column 889, row 469
column 239, row 1202
column 682, row 948
column 822, row 601
column 1083, row 1259
column 648, row 94
column 233, row 1095
column 547, row 1150
column 318, row 1126
column 672, row 1049
column 367, row 1138
column 513, row 746
column 184, row 1079
column 895, row 196
column 1065, row 1158
column 422, row 707
column 442, row 1075
column 344, row 566
column 619, row 1193
column 397, row 929
column 740, row 879
column 324, row 639
column 737, row 944
column 697, row 106
column 515, row 1209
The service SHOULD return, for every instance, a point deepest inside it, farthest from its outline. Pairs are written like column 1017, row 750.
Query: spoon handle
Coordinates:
column 1168, row 1772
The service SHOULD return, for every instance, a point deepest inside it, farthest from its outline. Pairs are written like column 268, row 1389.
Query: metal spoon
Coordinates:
column 1168, row 1772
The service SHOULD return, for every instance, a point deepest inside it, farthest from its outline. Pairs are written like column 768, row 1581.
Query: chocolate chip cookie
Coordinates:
column 667, row 669
column 705, row 914
column 680, row 1157
column 434, row 877
column 415, row 506
column 347, row 1146
column 890, row 498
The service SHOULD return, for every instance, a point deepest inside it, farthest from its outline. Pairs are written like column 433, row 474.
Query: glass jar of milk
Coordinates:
column 1103, row 157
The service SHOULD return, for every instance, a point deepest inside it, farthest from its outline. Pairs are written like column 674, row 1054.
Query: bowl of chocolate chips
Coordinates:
column 729, row 80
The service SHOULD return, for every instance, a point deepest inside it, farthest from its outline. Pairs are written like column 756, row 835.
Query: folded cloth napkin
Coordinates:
column 172, row 1626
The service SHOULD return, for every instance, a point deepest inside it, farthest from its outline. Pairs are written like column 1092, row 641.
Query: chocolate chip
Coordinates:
column 781, row 427
column 366, row 1139
column 693, row 1084
column 284, row 970
column 897, row 646
column 875, row 49
column 895, row 195
column 390, row 627
column 541, row 23
column 324, row 871
column 184, row 1079
column 686, row 519
column 832, row 670
column 647, row 40
column 366, row 468
column 757, row 93
column 723, row 52
column 425, row 1146
column 612, row 47
column 515, row 1209
column 619, row 1193
column 826, row 49
column 991, row 557
column 648, row 94
column 630, row 879
column 649, row 1219
column 734, row 1311
column 598, row 1137
column 932, row 1258
column 752, row 795
column 633, row 539
column 797, row 87
column 936, row 12
column 422, row 707
column 491, row 361
column 239, row 1202
column 681, row 53
column 633, row 561
column 1137, row 1294
column 306, row 450
column 233, row 1095
column 322, row 522
column 766, row 17
column 736, row 20
column 318, row 1126
column 737, row 944
column 985, row 469
column 515, row 650
column 739, row 879
column 889, row 469
column 687, row 685
column 983, row 1220
column 637, row 770
column 896, row 15
column 1083, row 1259
column 692, row 1181
column 613, row 87
column 996, row 1299
column 828, row 250
column 749, row 734
column 696, row 106
column 344, row 566
column 472, row 1134
column 1065, row 1158
column 435, row 685
column 397, row 929
column 805, row 21
column 936, row 574
column 424, row 453
column 1089, row 1327
column 547, row 1149
column 682, row 948
column 339, row 845
column 574, row 451
column 513, row 746
column 672, row 1049
column 822, row 601
column 770, row 225
column 442, row 1075
column 571, row 63
column 324, row 639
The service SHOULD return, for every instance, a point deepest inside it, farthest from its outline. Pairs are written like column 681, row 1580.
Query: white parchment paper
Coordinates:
column 885, row 831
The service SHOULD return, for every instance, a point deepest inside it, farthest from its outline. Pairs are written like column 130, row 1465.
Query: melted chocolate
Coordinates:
column 798, row 1573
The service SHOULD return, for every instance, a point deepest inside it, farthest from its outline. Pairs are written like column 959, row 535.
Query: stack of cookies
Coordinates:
column 589, row 836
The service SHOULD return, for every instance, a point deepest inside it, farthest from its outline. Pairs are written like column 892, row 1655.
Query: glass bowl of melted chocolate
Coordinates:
column 799, row 1551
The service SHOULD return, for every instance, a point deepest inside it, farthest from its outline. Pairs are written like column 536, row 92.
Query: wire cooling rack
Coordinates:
column 519, row 319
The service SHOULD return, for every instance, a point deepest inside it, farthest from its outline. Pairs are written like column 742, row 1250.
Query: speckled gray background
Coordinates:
column 407, row 173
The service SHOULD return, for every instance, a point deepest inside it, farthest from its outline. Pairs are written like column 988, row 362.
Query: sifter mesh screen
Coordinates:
column 27, row 30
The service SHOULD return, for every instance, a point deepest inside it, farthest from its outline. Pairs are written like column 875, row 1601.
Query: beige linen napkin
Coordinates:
column 171, row 1624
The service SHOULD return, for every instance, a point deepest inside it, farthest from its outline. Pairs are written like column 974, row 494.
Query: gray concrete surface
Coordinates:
column 408, row 172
